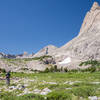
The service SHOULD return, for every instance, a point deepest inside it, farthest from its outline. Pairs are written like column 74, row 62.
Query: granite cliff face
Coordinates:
column 86, row 45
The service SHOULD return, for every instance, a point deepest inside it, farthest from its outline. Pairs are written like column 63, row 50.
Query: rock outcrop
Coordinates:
column 2, row 55
column 46, row 51
column 25, row 55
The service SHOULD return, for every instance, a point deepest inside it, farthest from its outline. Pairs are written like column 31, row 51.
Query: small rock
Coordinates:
column 71, row 83
column 45, row 91
column 51, row 82
column 42, row 92
column 12, row 87
column 93, row 98
column 37, row 91
column 95, row 82
column 68, row 88
column 98, row 98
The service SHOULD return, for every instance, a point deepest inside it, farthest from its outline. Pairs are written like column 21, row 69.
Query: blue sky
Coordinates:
column 29, row 25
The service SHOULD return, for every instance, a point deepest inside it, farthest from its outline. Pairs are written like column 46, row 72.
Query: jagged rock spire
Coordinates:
column 90, row 19
column 95, row 6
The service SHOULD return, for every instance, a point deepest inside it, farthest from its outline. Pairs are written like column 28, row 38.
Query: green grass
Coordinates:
column 62, row 95
column 83, row 88
column 58, row 76
column 10, row 96
column 84, row 91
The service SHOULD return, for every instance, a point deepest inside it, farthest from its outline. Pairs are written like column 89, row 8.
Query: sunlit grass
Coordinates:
column 82, row 86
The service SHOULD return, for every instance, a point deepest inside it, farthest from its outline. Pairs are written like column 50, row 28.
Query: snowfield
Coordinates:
column 66, row 61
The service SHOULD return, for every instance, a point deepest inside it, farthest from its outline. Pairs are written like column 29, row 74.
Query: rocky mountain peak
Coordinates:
column 91, row 23
column 45, row 51
column 95, row 6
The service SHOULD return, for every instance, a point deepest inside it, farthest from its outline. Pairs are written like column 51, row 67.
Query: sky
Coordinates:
column 29, row 25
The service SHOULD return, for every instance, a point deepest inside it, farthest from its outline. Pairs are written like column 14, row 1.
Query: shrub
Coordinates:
column 2, row 70
column 46, row 70
column 56, row 95
column 73, row 70
column 90, row 69
column 90, row 62
column 98, row 68
column 51, row 69
column 55, row 68
column 94, row 65
column 65, row 70
column 61, row 69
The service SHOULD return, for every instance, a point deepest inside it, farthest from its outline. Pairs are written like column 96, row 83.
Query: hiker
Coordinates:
column 8, row 78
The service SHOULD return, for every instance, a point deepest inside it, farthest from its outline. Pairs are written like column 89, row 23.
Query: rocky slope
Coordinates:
column 46, row 51
column 27, row 64
column 86, row 45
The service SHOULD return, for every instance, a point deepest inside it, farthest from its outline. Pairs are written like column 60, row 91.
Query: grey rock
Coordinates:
column 49, row 60
column 46, row 51
column 36, row 65
column 93, row 98
column 25, row 55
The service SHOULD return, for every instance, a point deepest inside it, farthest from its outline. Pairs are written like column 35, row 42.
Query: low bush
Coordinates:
column 51, row 69
column 73, row 70
column 65, row 70
column 56, row 95
column 46, row 70
column 94, row 66
column 90, row 62
column 90, row 69
column 2, row 70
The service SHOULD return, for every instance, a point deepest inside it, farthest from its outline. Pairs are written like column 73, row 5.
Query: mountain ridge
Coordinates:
column 85, row 46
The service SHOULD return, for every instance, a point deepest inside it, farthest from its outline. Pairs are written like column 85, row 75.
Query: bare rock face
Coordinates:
column 36, row 65
column 91, row 22
column 46, row 51
column 95, row 6
column 86, row 45
column 49, row 60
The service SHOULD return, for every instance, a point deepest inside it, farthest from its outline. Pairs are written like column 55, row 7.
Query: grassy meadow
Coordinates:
column 62, row 86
